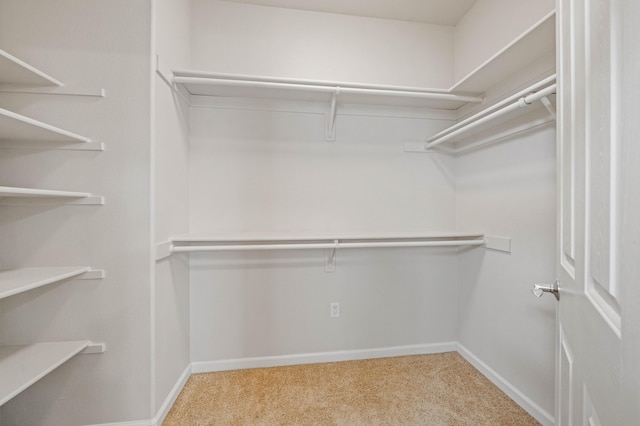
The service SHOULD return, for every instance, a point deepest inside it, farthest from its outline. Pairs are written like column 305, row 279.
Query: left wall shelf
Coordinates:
column 81, row 197
column 18, row 127
column 15, row 281
column 23, row 365
column 16, row 71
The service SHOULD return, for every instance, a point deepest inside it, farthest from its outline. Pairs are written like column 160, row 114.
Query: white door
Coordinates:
column 597, row 373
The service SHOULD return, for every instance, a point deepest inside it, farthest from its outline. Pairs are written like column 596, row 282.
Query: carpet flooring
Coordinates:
column 439, row 389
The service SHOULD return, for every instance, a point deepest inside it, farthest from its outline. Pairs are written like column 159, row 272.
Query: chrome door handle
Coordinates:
column 539, row 289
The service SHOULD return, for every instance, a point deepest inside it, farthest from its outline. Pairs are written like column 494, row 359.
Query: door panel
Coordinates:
column 565, row 372
column 598, row 349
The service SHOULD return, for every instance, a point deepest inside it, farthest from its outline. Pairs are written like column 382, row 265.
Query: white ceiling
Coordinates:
column 442, row 12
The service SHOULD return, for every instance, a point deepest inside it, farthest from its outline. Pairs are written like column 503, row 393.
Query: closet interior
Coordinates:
column 226, row 173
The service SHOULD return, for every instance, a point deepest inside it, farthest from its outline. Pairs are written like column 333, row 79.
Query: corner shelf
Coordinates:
column 15, row 71
column 15, row 281
column 21, row 366
column 532, row 45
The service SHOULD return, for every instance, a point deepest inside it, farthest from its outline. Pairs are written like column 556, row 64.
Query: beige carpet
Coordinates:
column 440, row 389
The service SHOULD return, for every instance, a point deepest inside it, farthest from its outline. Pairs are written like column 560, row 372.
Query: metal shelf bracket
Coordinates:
column 330, row 131
column 330, row 257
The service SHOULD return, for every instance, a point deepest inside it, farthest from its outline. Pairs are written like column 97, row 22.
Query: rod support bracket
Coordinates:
column 330, row 130
column 548, row 105
column 330, row 257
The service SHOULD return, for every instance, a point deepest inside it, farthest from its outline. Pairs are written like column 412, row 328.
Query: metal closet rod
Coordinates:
column 521, row 99
column 212, row 81
column 333, row 245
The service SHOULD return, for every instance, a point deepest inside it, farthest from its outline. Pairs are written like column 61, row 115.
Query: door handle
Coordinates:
column 539, row 289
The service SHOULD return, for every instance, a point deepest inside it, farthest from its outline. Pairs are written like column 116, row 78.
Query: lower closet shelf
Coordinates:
column 21, row 366
column 266, row 241
column 14, row 281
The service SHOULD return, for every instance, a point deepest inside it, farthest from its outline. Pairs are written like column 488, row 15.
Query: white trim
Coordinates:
column 321, row 357
column 512, row 392
column 171, row 397
column 133, row 423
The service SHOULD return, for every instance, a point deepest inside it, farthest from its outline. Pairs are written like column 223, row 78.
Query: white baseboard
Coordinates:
column 134, row 423
column 171, row 397
column 522, row 400
column 313, row 358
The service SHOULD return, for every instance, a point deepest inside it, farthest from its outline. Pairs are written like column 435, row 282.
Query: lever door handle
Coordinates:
column 539, row 289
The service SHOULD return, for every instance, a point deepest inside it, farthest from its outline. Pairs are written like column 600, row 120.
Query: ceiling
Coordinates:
column 441, row 12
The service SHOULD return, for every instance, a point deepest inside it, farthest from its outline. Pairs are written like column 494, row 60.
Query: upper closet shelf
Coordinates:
column 532, row 45
column 15, row 71
column 232, row 85
column 18, row 127
column 235, row 85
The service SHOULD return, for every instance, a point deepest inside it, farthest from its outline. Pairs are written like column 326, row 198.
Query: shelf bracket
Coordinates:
column 92, row 274
column 493, row 242
column 548, row 105
column 94, row 348
column 330, row 257
column 330, row 131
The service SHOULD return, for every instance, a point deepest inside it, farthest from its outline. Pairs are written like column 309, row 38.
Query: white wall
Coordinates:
column 258, row 40
column 94, row 44
column 273, row 304
column 489, row 26
column 269, row 171
column 509, row 190
column 170, row 148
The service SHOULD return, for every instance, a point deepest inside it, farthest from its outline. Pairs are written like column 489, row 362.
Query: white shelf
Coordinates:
column 22, row 366
column 18, row 127
column 215, row 243
column 294, row 238
column 15, row 71
column 6, row 191
column 193, row 243
column 23, row 194
column 236, row 85
column 14, row 281
column 532, row 45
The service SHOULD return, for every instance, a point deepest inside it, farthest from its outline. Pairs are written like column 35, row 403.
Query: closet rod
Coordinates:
column 322, row 89
column 522, row 99
column 333, row 245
